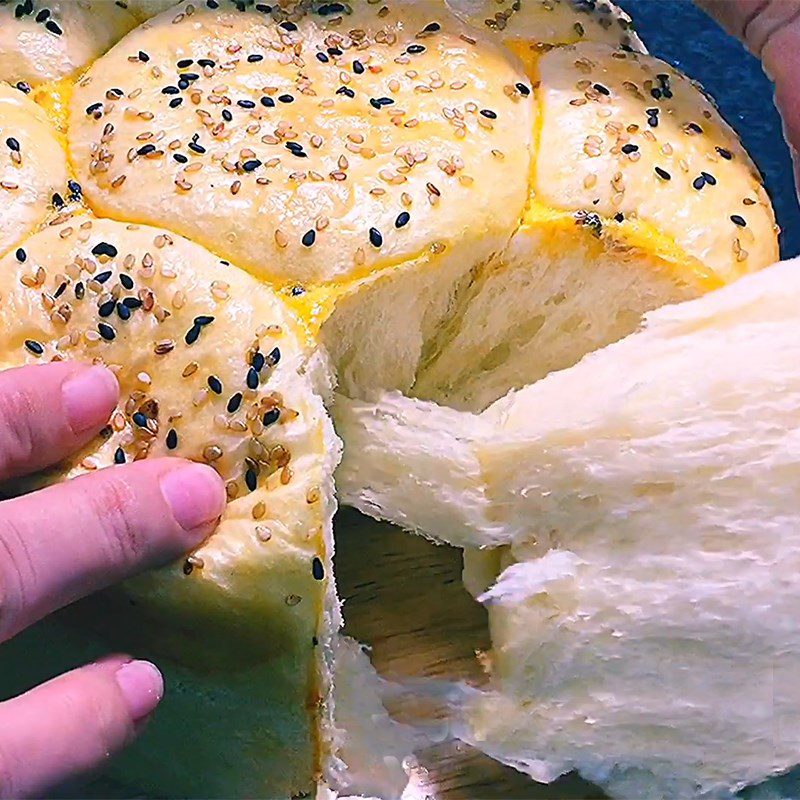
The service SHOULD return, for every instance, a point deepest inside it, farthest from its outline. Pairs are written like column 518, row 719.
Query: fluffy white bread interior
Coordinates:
column 46, row 41
column 243, row 627
column 33, row 166
column 570, row 281
column 642, row 623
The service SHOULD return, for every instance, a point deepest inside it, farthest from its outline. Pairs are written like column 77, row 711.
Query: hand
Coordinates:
column 66, row 541
column 770, row 29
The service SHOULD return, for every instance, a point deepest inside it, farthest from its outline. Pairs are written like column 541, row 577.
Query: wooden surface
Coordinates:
column 404, row 598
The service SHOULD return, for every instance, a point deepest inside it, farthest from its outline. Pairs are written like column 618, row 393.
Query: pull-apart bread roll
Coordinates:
column 33, row 168
column 46, row 40
column 447, row 201
column 213, row 367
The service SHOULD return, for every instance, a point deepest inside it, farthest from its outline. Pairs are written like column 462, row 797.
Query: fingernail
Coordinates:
column 196, row 496
column 142, row 687
column 89, row 398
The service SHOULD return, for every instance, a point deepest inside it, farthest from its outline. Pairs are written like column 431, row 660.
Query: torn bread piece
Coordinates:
column 641, row 610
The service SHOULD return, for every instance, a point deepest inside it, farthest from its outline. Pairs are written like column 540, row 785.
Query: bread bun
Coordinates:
column 33, row 168
column 42, row 42
column 187, row 336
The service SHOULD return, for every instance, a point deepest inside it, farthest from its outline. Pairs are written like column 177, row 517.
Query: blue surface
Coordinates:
column 680, row 33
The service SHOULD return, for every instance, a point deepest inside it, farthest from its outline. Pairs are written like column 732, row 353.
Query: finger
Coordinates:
column 771, row 31
column 73, row 723
column 71, row 539
column 49, row 411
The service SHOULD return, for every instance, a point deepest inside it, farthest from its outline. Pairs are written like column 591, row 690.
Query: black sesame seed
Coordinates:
column 488, row 113
column 263, row 8
column 107, row 309
column 205, row 62
column 21, row 255
column 43, row 15
column 694, row 127
column 375, row 237
column 296, row 291
column 61, row 289
column 175, row 102
column 12, row 144
column 358, row 67
column 268, row 102
column 146, row 149
column 317, row 569
column 662, row 173
column 432, row 27
column 23, row 87
column 271, row 417
column 402, row 220
column 415, row 49
column 274, row 357
column 309, row 238
column 254, row 58
column 619, row 217
column 93, row 108
column 139, row 419
column 523, row 89
column 80, row 290
column 235, row 403
column 183, row 85
column 655, row 94
column 143, row 57
column 75, row 188
column 323, row 58
column 252, row 379
column 203, row 320
column 180, row 158
column 257, row 362
column 188, row 567
column 251, row 165
column 172, row 439
column 726, row 154
column 184, row 63
column 699, row 182
column 334, row 51
column 215, row 384
column 380, row 102
column 53, row 27
column 193, row 334
column 123, row 312
column 598, row 87
column 119, row 456
column 251, row 480
column 132, row 303
column 288, row 26
column 57, row 200
column 107, row 332
column 102, row 277
column 104, row 249
column 196, row 148
column 34, row 347
column 709, row 179
column 189, row 76
column 126, row 281
column 170, row 90
column 245, row 104
column 738, row 220
column 629, row 148
column 346, row 90
column 286, row 98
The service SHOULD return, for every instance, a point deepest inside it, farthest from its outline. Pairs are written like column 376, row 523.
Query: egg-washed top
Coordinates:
column 315, row 144
column 304, row 150
column 33, row 168
column 210, row 367
column 45, row 40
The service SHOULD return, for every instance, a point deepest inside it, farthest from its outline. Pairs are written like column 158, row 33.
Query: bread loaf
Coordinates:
column 437, row 204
